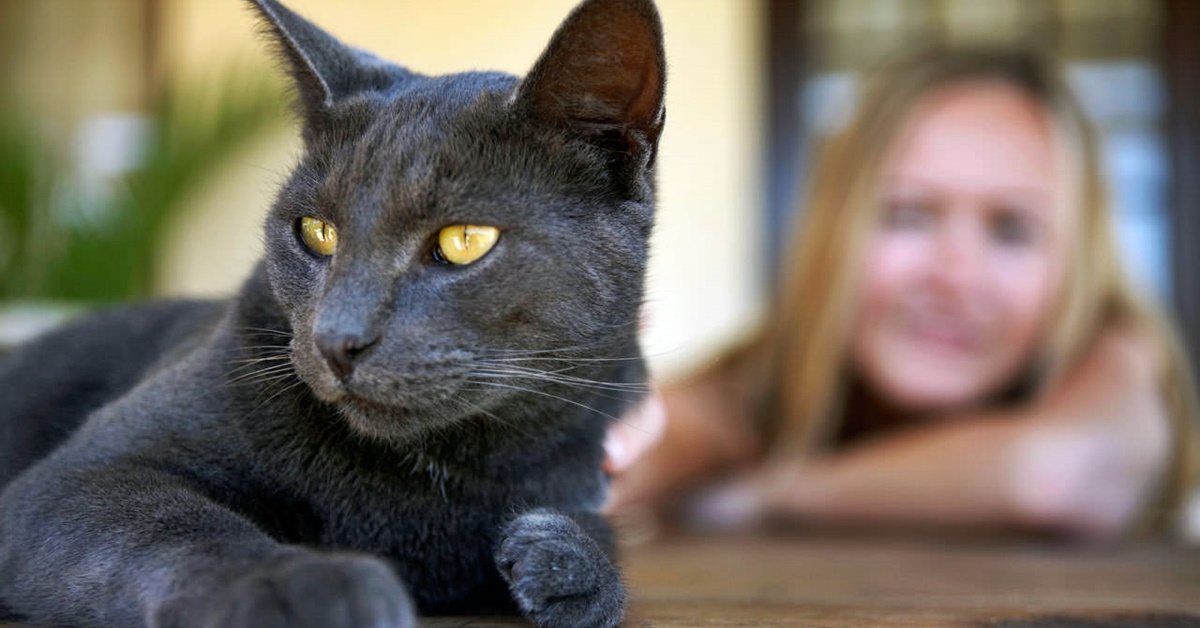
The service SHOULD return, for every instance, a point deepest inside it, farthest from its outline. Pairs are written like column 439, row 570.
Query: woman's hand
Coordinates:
column 681, row 436
column 634, row 434
column 740, row 503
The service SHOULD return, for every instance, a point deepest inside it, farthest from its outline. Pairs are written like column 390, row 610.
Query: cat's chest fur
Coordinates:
column 435, row 521
column 402, row 504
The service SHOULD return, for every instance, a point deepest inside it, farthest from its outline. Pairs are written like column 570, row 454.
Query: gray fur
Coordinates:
column 201, row 463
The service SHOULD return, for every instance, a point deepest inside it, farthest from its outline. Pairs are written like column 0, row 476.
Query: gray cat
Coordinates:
column 403, row 408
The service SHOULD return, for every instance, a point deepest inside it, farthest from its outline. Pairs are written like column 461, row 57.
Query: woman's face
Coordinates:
column 962, row 268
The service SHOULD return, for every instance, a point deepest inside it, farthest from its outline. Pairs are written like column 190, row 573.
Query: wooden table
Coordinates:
column 827, row 581
column 841, row 582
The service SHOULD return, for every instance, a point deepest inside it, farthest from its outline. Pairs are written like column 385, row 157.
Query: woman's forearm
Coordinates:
column 1083, row 461
column 945, row 474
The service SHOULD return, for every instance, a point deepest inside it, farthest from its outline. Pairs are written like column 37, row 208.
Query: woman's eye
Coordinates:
column 319, row 236
column 907, row 214
column 1010, row 228
column 463, row 244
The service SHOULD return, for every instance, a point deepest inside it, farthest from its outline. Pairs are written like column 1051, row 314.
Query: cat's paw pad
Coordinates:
column 317, row 591
column 558, row 575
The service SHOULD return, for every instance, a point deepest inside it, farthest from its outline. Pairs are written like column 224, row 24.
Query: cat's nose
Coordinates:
column 341, row 350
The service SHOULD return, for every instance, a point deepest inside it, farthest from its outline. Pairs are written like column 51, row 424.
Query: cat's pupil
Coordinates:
column 464, row 244
column 317, row 235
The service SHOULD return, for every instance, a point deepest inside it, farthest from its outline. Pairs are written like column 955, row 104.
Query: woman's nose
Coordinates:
column 958, row 260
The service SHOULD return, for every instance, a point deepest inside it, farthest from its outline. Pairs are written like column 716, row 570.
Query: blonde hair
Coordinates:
column 804, row 347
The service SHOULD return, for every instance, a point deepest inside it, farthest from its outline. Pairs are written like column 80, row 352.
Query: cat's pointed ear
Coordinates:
column 323, row 68
column 604, row 72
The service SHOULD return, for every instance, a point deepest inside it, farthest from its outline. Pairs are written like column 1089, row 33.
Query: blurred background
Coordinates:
column 141, row 141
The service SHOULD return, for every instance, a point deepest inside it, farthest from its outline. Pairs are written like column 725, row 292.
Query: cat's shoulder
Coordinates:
column 114, row 337
column 52, row 383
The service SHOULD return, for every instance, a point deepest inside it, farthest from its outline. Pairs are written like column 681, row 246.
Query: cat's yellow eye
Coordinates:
column 318, row 235
column 463, row 244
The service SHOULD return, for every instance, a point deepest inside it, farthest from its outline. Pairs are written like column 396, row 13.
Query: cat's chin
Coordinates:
column 348, row 399
column 383, row 421
column 372, row 419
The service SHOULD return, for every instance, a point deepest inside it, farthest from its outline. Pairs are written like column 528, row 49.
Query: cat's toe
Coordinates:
column 558, row 575
column 316, row 591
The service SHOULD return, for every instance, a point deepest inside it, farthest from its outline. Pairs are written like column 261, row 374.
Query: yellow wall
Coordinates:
column 88, row 58
column 701, row 286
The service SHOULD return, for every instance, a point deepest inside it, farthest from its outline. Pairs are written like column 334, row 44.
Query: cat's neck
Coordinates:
column 257, row 310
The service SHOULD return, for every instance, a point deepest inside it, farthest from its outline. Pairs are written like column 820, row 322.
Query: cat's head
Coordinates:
column 443, row 237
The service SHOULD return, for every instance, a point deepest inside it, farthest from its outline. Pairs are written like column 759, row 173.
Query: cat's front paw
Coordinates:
column 559, row 576
column 317, row 591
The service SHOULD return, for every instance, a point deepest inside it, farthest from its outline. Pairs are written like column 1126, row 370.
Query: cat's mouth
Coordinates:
column 391, row 396
column 383, row 399
column 365, row 399
column 373, row 387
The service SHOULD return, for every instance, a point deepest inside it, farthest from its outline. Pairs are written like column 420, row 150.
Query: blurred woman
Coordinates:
column 954, row 342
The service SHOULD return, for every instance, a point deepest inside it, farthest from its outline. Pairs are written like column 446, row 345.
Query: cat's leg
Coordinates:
column 308, row 590
column 128, row 546
column 561, row 569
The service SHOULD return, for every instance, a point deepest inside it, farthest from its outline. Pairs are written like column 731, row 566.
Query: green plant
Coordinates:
column 59, row 241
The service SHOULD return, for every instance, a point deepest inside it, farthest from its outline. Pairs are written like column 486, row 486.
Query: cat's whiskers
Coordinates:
column 520, row 358
column 511, row 372
column 250, row 366
column 268, row 380
column 597, row 392
column 267, row 330
column 505, row 422
column 274, row 356
column 580, row 361
column 269, row 348
column 539, row 356
column 620, row 419
column 282, row 355
column 293, row 385
column 483, row 385
column 560, row 378
column 254, row 376
column 510, row 378
column 263, row 351
column 520, row 367
column 594, row 347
